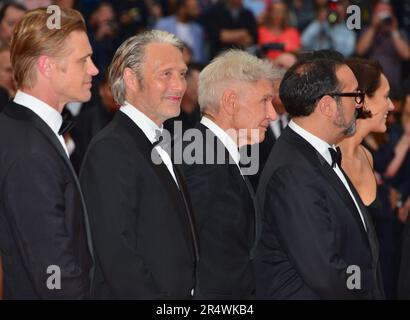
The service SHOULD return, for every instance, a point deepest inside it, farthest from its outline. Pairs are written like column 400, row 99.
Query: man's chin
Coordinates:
column 85, row 97
column 258, row 139
column 174, row 111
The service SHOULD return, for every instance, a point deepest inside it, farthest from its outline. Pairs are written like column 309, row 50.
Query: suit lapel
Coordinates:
column 19, row 112
column 189, row 211
column 256, row 217
column 331, row 176
column 240, row 180
column 146, row 149
column 327, row 172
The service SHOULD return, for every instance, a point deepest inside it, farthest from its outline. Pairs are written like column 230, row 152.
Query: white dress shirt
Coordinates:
column 74, row 108
column 226, row 140
column 323, row 148
column 48, row 114
column 276, row 127
column 150, row 130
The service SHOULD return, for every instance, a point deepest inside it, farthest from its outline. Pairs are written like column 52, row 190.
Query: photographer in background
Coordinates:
column 183, row 25
column 329, row 30
column 103, row 31
column 275, row 35
column 230, row 25
column 385, row 42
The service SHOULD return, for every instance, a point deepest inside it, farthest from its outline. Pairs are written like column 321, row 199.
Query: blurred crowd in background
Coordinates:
column 275, row 29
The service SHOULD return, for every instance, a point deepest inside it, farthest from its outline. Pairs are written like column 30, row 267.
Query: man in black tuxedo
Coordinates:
column 45, row 249
column 235, row 96
column 317, row 241
column 140, row 215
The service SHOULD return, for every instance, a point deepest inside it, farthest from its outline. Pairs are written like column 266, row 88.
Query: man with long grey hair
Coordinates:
column 235, row 96
column 140, row 215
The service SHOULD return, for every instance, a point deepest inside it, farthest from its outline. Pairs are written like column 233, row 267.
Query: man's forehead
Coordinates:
column 346, row 77
column 261, row 87
column 77, row 41
column 262, row 84
column 160, row 54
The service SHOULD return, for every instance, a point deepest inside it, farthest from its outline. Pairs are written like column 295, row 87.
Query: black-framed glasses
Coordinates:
column 357, row 95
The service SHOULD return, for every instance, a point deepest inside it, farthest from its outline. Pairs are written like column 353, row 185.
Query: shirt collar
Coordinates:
column 321, row 146
column 226, row 140
column 147, row 126
column 48, row 114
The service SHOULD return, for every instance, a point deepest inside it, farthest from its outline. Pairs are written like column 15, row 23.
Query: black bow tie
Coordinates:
column 336, row 156
column 66, row 126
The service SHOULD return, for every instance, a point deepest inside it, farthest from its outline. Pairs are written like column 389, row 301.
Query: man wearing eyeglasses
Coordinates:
column 317, row 240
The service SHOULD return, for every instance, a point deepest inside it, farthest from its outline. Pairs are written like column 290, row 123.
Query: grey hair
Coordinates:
column 229, row 66
column 131, row 54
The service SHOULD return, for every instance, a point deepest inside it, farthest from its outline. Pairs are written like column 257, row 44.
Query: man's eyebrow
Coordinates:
column 170, row 68
column 86, row 56
column 266, row 96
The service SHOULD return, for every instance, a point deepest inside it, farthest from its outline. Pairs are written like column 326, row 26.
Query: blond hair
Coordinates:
column 32, row 38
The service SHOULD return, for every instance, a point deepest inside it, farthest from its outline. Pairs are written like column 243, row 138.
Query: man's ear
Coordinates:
column 45, row 65
column 327, row 106
column 229, row 101
column 130, row 79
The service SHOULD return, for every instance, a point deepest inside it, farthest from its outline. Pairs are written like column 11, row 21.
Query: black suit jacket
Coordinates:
column 223, row 204
column 42, row 214
column 311, row 229
column 4, row 98
column 144, row 243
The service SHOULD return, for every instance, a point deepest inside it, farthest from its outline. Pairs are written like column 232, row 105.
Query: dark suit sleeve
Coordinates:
column 35, row 199
column 111, row 186
column 298, row 215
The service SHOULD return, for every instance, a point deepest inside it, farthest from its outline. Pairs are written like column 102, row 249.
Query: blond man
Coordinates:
column 45, row 247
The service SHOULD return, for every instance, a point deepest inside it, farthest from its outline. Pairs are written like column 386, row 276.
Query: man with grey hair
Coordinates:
column 235, row 96
column 140, row 216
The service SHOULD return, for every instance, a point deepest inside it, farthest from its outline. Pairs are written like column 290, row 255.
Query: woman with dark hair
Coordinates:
column 276, row 36
column 357, row 160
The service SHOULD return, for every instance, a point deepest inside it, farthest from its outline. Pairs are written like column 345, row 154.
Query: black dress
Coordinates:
column 388, row 231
